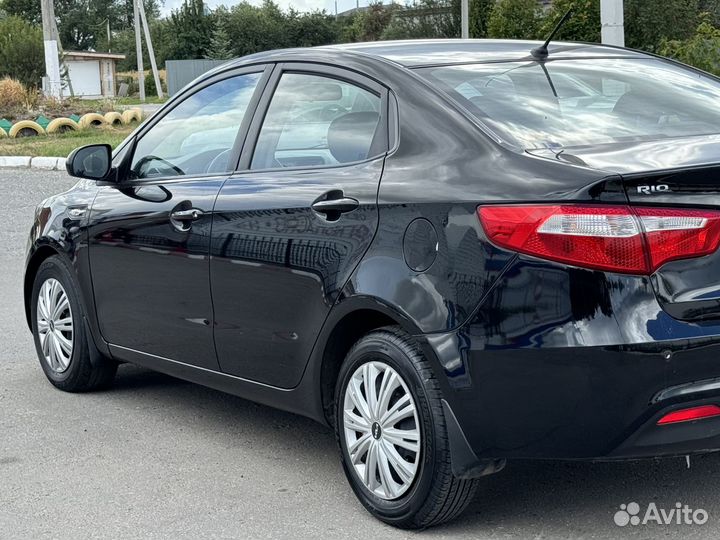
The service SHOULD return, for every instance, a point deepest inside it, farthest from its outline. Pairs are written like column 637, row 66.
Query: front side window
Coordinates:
column 197, row 136
column 566, row 103
column 315, row 121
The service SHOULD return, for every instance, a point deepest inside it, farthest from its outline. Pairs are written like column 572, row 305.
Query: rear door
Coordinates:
column 290, row 228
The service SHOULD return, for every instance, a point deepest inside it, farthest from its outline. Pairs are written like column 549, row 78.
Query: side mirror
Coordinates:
column 92, row 161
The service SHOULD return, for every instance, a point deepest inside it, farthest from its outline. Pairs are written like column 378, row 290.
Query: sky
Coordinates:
column 300, row 5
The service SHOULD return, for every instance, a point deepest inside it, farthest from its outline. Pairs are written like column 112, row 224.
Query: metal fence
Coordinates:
column 181, row 72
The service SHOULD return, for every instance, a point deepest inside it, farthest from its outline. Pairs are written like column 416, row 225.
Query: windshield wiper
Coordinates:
column 541, row 53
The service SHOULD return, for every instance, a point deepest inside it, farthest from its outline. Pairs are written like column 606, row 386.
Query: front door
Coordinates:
column 289, row 231
column 150, row 232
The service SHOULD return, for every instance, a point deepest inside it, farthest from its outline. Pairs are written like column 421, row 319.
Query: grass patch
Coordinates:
column 62, row 144
column 111, row 104
column 136, row 100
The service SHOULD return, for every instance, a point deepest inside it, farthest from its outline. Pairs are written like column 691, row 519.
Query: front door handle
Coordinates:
column 182, row 219
column 193, row 214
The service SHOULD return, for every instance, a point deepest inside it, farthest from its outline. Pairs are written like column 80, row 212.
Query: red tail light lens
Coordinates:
column 679, row 234
column 686, row 415
column 612, row 238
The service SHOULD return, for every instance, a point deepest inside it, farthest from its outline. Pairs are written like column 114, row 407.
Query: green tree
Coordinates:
column 29, row 10
column 163, row 44
column 515, row 19
column 425, row 19
column 220, row 48
column 583, row 25
column 712, row 8
column 191, row 29
column 311, row 29
column 647, row 24
column 369, row 24
column 82, row 24
column 702, row 50
column 252, row 29
column 21, row 51
column 152, row 11
column 478, row 17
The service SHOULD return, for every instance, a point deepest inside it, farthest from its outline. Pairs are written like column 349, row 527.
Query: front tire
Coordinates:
column 392, row 434
column 60, row 335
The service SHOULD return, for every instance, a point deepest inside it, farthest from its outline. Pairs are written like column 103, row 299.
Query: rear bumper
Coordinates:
column 697, row 436
column 649, row 440
column 568, row 410
column 541, row 373
column 582, row 403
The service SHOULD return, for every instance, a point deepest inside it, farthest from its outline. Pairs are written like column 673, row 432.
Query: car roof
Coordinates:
column 432, row 52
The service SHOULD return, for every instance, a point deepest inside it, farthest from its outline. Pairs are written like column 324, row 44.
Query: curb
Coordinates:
column 29, row 162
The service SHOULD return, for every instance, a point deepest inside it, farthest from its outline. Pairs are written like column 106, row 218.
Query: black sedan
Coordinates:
column 455, row 253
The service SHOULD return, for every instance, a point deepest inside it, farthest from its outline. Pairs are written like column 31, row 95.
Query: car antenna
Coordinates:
column 541, row 53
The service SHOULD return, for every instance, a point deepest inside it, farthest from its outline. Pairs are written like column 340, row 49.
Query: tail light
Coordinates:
column 613, row 238
column 688, row 415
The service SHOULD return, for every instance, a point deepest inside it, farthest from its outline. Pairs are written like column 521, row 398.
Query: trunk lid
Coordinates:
column 683, row 173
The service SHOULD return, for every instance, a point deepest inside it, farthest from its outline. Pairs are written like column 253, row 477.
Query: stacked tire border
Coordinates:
column 31, row 128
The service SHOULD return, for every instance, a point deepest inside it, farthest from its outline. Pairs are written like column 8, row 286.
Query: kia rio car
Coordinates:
column 455, row 253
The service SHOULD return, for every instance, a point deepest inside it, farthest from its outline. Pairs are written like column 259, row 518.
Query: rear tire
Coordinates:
column 67, row 356
column 432, row 495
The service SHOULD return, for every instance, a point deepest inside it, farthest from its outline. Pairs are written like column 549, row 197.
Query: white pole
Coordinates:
column 464, row 19
column 151, row 52
column 611, row 18
column 50, row 44
column 138, row 51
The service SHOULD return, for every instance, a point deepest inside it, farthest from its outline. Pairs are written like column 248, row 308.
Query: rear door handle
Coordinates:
column 335, row 206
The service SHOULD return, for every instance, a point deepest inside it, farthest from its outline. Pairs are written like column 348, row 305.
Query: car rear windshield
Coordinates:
column 563, row 103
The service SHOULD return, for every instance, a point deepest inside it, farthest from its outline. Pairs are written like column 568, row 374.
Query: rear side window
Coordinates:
column 591, row 101
column 316, row 121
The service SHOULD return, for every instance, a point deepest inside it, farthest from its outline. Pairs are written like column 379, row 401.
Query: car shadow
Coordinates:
column 529, row 499
column 579, row 499
column 222, row 415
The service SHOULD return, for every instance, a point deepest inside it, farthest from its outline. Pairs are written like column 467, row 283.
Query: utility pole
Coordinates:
column 65, row 71
column 611, row 19
column 151, row 52
column 138, row 51
column 50, row 43
column 464, row 19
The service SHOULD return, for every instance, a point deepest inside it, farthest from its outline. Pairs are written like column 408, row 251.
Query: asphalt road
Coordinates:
column 156, row 457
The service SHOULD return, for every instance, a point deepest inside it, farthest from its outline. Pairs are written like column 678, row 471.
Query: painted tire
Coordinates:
column 113, row 118
column 3, row 133
column 59, row 125
column 91, row 119
column 131, row 115
column 25, row 128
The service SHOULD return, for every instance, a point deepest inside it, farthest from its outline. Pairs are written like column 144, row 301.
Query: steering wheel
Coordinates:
column 329, row 112
column 217, row 161
column 147, row 159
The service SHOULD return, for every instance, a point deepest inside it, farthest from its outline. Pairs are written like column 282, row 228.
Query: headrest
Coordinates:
column 630, row 103
column 350, row 135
